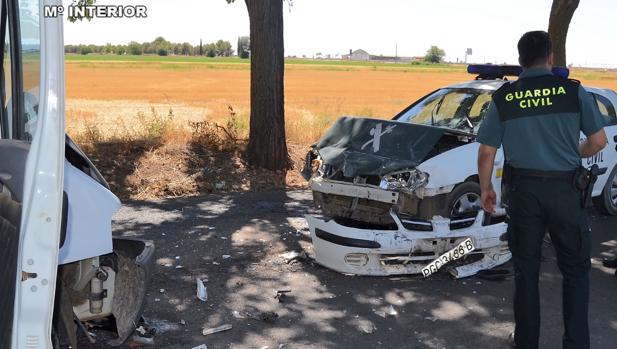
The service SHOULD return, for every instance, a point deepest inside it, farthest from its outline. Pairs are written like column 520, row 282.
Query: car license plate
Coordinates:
column 459, row 251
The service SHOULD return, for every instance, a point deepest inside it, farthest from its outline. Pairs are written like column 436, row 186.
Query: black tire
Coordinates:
column 464, row 200
column 606, row 203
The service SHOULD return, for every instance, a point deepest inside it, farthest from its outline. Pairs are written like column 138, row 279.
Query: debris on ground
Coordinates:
column 202, row 292
column 367, row 327
column 391, row 311
column 268, row 316
column 293, row 256
column 144, row 333
column 238, row 315
column 222, row 328
column 281, row 295
column 142, row 340
column 155, row 326
column 380, row 313
column 226, row 256
column 141, row 330
column 494, row 274
column 202, row 346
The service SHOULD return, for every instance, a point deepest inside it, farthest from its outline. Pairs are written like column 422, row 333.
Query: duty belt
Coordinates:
column 529, row 173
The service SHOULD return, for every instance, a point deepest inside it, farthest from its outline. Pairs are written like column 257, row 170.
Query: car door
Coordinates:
column 31, row 170
column 606, row 159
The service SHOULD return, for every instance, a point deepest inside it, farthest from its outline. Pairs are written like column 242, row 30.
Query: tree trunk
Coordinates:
column 267, row 146
column 561, row 15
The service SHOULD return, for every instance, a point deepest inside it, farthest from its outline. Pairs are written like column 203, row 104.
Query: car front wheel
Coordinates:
column 464, row 200
column 607, row 201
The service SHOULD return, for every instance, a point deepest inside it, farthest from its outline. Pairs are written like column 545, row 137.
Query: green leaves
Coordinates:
column 81, row 3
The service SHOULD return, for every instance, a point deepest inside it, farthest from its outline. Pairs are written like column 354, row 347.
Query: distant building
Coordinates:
column 361, row 55
column 391, row 59
column 357, row 55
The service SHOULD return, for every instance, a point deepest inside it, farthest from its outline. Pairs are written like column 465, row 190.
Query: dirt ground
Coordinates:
column 234, row 242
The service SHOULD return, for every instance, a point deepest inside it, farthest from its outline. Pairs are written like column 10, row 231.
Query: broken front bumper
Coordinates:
column 390, row 252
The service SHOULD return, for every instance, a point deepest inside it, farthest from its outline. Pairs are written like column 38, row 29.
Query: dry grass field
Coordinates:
column 142, row 111
column 112, row 94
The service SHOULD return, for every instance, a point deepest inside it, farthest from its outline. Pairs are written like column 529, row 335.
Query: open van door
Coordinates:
column 31, row 170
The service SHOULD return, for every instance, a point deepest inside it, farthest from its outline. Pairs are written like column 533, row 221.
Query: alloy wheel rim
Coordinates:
column 613, row 193
column 470, row 202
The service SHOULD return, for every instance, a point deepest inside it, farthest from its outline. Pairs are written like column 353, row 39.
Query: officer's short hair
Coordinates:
column 534, row 48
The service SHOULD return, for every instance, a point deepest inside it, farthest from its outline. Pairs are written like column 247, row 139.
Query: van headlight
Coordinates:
column 408, row 179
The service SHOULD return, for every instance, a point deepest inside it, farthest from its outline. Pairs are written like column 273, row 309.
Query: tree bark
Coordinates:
column 561, row 15
column 267, row 146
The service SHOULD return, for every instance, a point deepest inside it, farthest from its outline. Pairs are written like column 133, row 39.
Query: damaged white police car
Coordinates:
column 402, row 196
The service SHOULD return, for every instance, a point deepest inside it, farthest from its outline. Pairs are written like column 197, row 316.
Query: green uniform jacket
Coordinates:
column 538, row 119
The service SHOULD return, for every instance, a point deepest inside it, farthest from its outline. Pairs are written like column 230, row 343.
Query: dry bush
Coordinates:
column 154, row 126
column 210, row 135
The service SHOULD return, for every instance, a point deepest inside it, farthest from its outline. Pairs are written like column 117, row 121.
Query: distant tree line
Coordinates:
column 159, row 46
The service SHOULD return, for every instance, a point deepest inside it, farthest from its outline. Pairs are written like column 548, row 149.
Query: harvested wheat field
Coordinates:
column 141, row 120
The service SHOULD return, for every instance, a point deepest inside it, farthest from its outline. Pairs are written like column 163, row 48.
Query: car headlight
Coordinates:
column 409, row 180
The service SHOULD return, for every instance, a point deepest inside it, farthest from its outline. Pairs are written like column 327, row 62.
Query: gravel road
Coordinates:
column 234, row 242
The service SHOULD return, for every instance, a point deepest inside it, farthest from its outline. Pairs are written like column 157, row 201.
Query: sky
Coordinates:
column 388, row 27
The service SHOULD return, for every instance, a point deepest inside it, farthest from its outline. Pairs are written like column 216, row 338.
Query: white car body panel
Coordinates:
column 464, row 159
column 396, row 244
column 41, row 215
column 87, row 234
column 362, row 191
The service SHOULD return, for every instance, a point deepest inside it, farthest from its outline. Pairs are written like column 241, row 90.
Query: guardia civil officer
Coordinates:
column 537, row 119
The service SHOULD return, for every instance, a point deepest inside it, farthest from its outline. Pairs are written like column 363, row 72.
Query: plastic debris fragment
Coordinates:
column 209, row 331
column 202, row 292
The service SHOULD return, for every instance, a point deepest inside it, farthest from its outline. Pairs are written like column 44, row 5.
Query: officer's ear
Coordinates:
column 551, row 59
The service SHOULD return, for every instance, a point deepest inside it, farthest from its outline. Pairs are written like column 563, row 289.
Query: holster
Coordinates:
column 506, row 184
column 584, row 180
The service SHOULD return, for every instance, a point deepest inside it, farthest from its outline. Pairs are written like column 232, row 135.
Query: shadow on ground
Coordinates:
column 324, row 309
column 118, row 160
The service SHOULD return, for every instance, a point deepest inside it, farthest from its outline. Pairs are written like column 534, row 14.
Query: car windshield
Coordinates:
column 455, row 108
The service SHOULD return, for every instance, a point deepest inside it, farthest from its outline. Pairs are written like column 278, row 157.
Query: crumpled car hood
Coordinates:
column 365, row 147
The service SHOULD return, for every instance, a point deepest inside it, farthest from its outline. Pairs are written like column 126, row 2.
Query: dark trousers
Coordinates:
column 535, row 205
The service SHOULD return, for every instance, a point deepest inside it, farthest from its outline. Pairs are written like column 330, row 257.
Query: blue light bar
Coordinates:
column 561, row 72
column 492, row 72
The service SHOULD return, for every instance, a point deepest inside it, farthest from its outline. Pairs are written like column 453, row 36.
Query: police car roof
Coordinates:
column 493, row 85
column 479, row 84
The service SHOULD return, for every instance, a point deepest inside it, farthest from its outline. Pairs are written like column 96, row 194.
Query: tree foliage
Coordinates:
column 135, row 48
column 159, row 46
column 81, row 3
column 244, row 47
column 434, row 54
